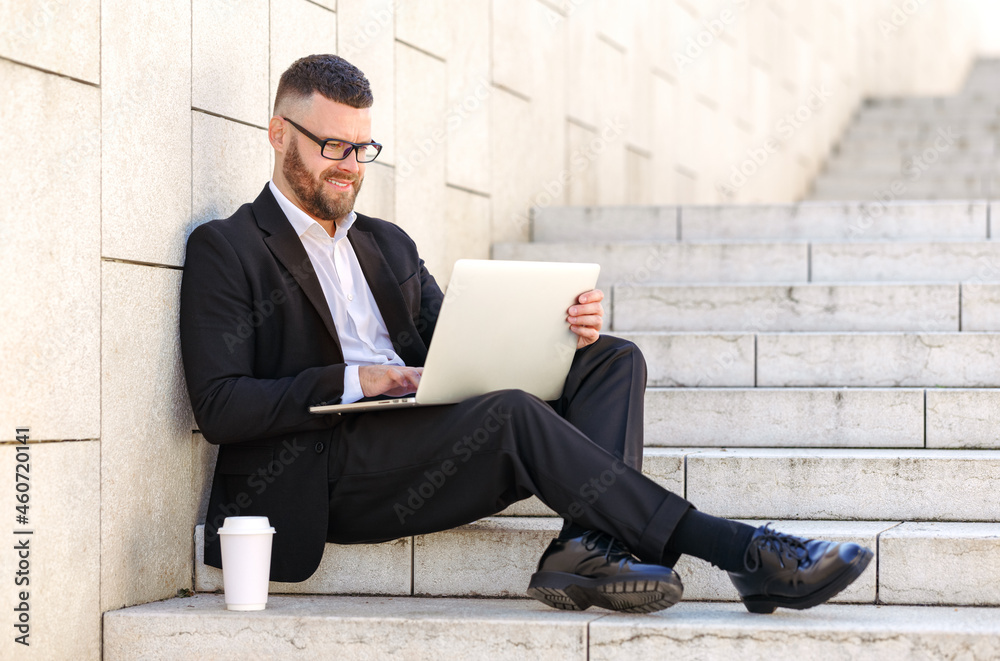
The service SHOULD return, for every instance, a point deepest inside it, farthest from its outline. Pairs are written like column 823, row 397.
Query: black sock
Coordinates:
column 720, row 541
column 571, row 530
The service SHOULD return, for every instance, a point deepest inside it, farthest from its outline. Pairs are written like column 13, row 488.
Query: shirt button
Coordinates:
column 350, row 297
column 319, row 447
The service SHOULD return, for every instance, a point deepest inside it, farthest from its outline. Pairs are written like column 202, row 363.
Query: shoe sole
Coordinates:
column 766, row 605
column 625, row 594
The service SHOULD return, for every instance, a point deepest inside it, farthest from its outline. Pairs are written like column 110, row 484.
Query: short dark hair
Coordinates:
column 330, row 75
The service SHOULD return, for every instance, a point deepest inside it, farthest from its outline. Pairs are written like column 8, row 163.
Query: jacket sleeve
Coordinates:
column 230, row 403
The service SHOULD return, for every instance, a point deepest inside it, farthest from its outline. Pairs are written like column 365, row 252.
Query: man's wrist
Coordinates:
column 352, row 385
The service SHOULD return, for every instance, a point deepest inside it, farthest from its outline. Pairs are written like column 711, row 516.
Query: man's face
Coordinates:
column 324, row 189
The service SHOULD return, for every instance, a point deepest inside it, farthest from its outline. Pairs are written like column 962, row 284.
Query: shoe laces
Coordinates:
column 593, row 538
column 785, row 547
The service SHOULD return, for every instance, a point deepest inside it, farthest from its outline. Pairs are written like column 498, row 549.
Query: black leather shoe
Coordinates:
column 791, row 572
column 596, row 570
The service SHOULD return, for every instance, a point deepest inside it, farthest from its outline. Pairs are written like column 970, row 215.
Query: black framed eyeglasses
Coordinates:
column 338, row 150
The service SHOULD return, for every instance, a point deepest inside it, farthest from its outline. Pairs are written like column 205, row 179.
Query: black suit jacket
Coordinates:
column 259, row 348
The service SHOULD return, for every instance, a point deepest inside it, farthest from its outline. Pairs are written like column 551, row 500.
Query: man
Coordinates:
column 297, row 300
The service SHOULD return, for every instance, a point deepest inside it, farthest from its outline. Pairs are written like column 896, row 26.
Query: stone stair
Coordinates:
column 830, row 367
column 921, row 148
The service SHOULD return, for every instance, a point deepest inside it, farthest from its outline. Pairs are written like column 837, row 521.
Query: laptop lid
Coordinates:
column 503, row 325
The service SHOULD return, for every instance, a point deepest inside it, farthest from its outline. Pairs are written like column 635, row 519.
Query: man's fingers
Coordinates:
column 592, row 296
column 591, row 320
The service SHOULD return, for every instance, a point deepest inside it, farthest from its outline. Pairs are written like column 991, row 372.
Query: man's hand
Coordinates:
column 586, row 317
column 391, row 380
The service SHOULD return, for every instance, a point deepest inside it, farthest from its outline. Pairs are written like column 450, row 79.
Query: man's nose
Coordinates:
column 349, row 164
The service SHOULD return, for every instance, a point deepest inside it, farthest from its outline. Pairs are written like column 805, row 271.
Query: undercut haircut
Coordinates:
column 330, row 75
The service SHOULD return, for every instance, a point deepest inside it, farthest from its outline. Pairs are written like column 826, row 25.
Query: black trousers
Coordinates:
column 415, row 471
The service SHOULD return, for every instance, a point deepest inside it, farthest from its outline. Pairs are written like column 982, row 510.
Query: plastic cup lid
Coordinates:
column 245, row 525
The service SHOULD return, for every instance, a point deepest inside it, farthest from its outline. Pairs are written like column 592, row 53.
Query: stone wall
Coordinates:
column 128, row 123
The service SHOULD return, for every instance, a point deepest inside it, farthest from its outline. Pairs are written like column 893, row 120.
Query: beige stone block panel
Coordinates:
column 513, row 44
column 468, row 115
column 50, row 242
column 230, row 166
column 583, row 89
column 638, row 177
column 365, row 38
column 378, row 193
column 146, row 130
column 662, row 141
column 229, row 59
column 581, row 186
column 299, row 28
column 468, row 237
column 62, row 567
column 512, row 191
column 149, row 499
column 63, row 36
column 421, row 88
column 424, row 25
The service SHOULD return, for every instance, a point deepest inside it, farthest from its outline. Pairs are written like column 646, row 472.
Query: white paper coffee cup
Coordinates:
column 246, row 561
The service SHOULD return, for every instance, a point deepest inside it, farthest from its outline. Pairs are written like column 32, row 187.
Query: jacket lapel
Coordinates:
column 389, row 299
column 287, row 247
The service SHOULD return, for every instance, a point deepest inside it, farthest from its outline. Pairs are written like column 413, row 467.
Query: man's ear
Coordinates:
column 277, row 134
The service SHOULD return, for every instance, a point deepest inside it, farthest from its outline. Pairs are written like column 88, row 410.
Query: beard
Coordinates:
column 318, row 198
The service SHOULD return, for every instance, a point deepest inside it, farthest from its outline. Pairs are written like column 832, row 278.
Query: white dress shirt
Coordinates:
column 364, row 337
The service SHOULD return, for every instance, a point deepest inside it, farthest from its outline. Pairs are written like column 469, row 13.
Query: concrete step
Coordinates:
column 427, row 629
column 842, row 484
column 906, row 261
column 880, row 307
column 945, row 178
column 495, row 557
column 917, row 146
column 775, row 262
column 897, row 188
column 785, row 417
column 892, row 124
column 952, row 360
column 941, row 220
column 907, row 194
column 899, row 165
column 823, row 417
column 639, row 262
column 926, row 129
column 725, row 360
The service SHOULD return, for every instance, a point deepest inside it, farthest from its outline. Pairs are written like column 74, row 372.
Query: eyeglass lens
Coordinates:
column 341, row 150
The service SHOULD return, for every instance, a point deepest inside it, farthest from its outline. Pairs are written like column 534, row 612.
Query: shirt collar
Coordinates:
column 302, row 223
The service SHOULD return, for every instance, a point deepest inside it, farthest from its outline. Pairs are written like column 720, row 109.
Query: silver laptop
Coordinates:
column 502, row 325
